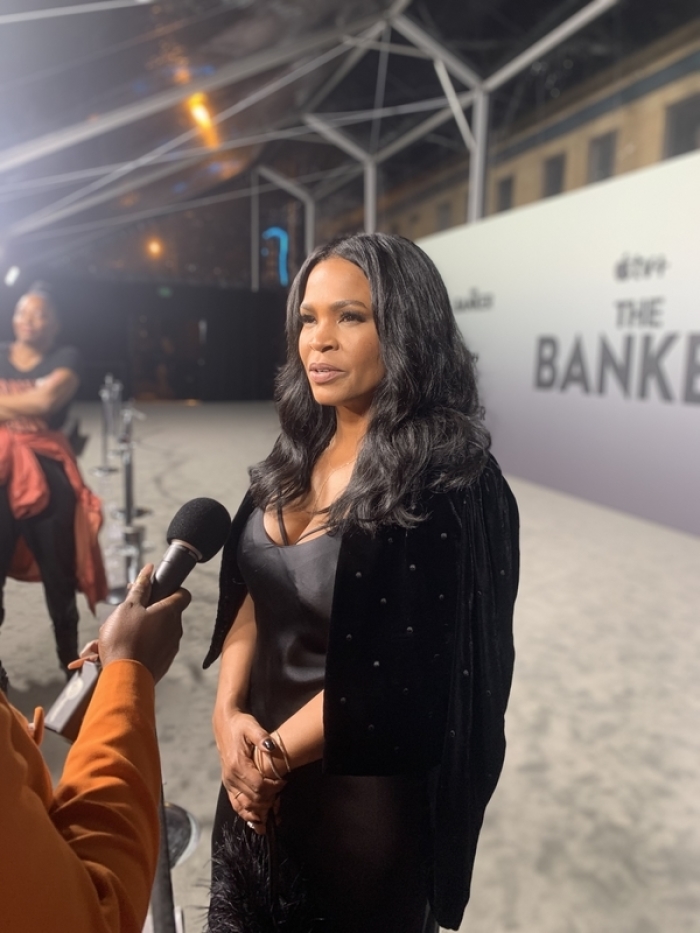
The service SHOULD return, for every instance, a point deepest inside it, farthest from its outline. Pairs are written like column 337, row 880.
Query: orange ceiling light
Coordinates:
column 182, row 74
column 200, row 112
column 154, row 247
column 198, row 107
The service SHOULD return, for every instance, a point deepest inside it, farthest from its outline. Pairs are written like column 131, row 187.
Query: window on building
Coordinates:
column 444, row 215
column 504, row 193
column 683, row 126
column 601, row 157
column 553, row 175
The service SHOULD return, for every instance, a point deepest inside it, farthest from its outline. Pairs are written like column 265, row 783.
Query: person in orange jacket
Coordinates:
column 82, row 857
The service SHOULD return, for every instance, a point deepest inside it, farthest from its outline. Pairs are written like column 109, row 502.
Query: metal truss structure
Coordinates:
column 465, row 100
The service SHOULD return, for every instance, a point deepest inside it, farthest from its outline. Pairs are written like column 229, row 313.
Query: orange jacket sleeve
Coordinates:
column 82, row 858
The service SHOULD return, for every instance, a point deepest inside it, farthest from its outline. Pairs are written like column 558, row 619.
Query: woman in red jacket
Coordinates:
column 48, row 518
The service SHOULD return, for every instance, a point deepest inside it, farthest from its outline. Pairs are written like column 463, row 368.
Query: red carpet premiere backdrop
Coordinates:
column 585, row 314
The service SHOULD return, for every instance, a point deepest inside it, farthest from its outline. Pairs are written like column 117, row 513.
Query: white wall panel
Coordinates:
column 613, row 269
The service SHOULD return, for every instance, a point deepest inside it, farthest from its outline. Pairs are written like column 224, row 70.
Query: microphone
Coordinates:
column 197, row 532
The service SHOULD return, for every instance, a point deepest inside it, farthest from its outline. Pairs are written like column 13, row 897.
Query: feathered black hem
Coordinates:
column 255, row 886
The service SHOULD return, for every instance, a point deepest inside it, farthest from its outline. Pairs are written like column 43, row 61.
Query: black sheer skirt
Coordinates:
column 359, row 844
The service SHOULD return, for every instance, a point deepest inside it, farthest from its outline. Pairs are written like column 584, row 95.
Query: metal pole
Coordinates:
column 370, row 196
column 116, row 393
column 162, row 903
column 422, row 40
column 309, row 225
column 132, row 545
column 379, row 91
column 453, row 101
column 126, row 449
column 423, row 128
column 128, row 461
column 477, row 160
column 102, row 5
column 297, row 191
column 374, row 30
column 132, row 535
column 254, row 233
column 554, row 38
column 105, row 467
column 107, row 399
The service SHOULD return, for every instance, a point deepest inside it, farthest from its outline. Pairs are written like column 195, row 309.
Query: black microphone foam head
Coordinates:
column 203, row 523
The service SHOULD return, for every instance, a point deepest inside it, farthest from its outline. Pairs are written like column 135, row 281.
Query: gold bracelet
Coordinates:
column 274, row 769
column 283, row 750
column 259, row 763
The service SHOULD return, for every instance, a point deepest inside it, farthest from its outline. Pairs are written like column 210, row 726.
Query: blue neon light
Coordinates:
column 283, row 237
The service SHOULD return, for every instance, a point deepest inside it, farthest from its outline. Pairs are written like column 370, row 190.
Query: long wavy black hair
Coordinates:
column 425, row 430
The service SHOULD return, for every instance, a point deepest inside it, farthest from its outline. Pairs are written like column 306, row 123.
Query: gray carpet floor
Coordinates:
column 595, row 825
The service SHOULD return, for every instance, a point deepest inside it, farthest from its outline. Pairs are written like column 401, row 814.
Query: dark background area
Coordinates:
column 169, row 341
column 143, row 228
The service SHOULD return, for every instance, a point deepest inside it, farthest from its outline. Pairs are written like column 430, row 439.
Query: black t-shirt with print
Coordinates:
column 14, row 380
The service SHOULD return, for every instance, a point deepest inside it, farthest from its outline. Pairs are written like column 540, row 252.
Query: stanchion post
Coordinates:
column 133, row 535
column 126, row 448
column 162, row 903
column 127, row 452
column 111, row 398
column 163, row 919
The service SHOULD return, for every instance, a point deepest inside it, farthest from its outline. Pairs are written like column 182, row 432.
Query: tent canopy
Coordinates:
column 117, row 111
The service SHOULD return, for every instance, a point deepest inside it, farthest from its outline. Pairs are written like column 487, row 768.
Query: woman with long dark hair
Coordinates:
column 365, row 612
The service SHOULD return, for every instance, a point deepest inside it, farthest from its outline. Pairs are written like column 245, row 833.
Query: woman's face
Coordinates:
column 338, row 342
column 34, row 322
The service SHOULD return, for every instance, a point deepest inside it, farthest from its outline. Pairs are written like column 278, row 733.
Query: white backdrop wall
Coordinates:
column 584, row 311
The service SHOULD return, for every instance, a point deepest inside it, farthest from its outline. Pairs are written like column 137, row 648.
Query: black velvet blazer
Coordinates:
column 420, row 661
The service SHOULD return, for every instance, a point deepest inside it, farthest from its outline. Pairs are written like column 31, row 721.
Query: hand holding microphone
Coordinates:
column 143, row 628
column 140, row 631
column 147, row 627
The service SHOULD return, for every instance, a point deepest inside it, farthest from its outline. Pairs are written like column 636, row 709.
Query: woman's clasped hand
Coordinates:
column 252, row 765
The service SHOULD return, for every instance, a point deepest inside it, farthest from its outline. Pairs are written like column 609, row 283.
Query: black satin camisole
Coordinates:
column 292, row 590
